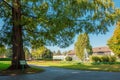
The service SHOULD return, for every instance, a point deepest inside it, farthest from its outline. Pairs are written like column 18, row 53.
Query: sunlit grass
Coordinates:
column 4, row 65
column 79, row 66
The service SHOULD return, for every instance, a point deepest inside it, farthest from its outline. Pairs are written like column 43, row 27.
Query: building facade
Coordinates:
column 102, row 51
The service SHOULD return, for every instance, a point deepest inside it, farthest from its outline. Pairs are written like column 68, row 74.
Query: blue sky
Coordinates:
column 95, row 40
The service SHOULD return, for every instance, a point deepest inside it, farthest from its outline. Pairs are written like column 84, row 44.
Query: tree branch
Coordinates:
column 7, row 4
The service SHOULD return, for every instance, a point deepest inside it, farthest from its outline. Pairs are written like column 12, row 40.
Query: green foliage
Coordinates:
column 42, row 53
column 81, row 44
column 96, row 58
column 36, row 53
column 103, row 59
column 5, row 59
column 56, row 22
column 112, row 58
column 28, row 55
column 58, row 52
column 114, row 41
column 47, row 55
column 68, row 58
column 3, row 50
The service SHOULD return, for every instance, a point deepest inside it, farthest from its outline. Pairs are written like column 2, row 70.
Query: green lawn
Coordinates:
column 79, row 66
column 4, row 65
column 70, row 65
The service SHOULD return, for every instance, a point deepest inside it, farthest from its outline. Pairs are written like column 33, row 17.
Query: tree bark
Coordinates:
column 17, row 41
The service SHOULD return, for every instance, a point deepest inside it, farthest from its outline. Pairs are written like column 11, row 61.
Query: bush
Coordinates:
column 104, row 59
column 5, row 59
column 113, row 59
column 96, row 58
column 68, row 58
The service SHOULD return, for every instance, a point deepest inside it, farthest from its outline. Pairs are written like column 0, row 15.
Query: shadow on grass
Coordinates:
column 92, row 67
column 5, row 72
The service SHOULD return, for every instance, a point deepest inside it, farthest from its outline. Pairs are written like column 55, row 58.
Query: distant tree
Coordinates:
column 80, row 45
column 9, row 52
column 28, row 55
column 58, row 52
column 42, row 53
column 37, row 52
column 54, row 53
column 47, row 55
column 114, row 41
column 2, row 51
column 65, row 52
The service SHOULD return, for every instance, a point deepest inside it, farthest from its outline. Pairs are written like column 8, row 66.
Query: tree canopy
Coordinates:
column 56, row 22
column 114, row 41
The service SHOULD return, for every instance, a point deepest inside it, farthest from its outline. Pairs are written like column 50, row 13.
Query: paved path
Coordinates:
column 65, row 74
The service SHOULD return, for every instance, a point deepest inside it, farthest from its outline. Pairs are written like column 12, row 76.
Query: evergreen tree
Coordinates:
column 58, row 52
column 50, row 22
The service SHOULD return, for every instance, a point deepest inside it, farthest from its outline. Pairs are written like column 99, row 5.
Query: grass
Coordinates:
column 79, row 66
column 5, row 64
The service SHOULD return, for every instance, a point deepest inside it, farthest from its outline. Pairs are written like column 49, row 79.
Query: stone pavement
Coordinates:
column 65, row 74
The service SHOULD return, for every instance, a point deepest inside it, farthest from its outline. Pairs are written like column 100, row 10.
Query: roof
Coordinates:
column 72, row 52
column 101, row 49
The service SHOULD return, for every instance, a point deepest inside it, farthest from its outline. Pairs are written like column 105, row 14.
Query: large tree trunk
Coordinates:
column 17, row 41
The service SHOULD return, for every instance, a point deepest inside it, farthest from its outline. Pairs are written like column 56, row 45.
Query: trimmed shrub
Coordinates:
column 96, row 58
column 5, row 59
column 68, row 58
column 104, row 59
column 113, row 59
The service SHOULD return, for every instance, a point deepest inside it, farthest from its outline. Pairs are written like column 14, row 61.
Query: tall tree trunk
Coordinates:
column 17, row 41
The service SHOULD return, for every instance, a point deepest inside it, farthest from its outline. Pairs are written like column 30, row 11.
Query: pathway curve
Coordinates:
column 52, row 73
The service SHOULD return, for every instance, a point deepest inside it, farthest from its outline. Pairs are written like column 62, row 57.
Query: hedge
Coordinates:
column 103, row 59
column 5, row 59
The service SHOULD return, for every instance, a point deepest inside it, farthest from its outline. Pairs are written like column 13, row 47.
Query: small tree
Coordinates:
column 81, row 44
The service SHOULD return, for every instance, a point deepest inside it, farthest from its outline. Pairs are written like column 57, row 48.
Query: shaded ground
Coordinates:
column 51, row 73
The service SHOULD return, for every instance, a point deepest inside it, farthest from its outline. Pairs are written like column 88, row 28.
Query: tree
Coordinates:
column 42, row 53
column 114, row 41
column 58, row 52
column 28, row 55
column 88, row 45
column 2, row 51
column 36, row 53
column 50, row 22
column 47, row 55
column 82, row 44
column 9, row 52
